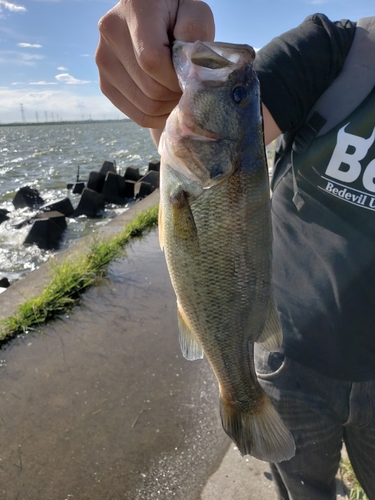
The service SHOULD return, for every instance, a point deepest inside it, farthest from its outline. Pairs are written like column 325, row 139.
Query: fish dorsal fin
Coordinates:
column 271, row 336
column 190, row 347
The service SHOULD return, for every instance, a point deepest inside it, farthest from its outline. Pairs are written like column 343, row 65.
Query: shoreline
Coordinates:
column 62, row 122
column 32, row 286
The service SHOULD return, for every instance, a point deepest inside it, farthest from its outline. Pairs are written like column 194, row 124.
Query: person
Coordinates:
column 322, row 381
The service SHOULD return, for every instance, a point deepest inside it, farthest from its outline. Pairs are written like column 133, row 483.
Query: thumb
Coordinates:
column 194, row 21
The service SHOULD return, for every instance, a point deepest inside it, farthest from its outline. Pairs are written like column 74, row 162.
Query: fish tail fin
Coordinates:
column 261, row 434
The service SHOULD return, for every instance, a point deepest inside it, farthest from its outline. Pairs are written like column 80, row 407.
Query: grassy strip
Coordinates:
column 71, row 278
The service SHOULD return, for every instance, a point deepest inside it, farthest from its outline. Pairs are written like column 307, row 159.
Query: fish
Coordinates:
column 215, row 231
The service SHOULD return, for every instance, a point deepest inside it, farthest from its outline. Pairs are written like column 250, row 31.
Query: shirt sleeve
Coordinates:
column 295, row 68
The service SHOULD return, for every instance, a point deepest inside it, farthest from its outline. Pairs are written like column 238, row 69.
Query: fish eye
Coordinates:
column 240, row 94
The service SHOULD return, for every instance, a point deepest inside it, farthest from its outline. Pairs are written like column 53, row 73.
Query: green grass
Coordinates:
column 347, row 473
column 71, row 278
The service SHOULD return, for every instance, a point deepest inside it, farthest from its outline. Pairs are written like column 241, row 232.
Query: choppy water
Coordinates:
column 46, row 158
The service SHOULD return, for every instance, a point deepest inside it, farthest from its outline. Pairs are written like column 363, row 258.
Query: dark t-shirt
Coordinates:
column 324, row 265
column 295, row 68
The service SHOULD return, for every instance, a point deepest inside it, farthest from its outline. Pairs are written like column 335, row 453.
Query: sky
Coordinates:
column 47, row 47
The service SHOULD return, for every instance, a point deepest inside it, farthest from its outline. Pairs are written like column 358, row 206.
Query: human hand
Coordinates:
column 134, row 54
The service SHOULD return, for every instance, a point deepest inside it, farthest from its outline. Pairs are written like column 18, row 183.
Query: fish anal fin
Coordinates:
column 261, row 434
column 271, row 337
column 190, row 347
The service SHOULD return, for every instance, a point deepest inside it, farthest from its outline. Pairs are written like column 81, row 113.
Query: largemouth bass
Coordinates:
column 215, row 229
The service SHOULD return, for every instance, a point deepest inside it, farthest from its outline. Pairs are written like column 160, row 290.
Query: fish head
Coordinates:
column 206, row 133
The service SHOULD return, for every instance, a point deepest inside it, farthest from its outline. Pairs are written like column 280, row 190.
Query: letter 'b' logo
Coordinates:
column 345, row 164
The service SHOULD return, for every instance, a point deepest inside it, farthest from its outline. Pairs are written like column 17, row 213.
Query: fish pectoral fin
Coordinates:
column 272, row 336
column 260, row 433
column 190, row 347
column 183, row 219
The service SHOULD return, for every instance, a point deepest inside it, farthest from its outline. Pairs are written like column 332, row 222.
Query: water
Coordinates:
column 46, row 157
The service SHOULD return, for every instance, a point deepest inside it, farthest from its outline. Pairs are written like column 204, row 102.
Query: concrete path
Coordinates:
column 101, row 405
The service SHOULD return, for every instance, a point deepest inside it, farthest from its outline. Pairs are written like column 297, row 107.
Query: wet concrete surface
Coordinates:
column 100, row 404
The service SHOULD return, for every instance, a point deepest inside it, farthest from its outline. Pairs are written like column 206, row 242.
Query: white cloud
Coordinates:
column 11, row 6
column 62, row 68
column 31, row 57
column 42, row 82
column 29, row 45
column 13, row 57
column 70, row 80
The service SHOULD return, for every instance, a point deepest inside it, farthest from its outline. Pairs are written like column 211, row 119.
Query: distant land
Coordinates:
column 62, row 122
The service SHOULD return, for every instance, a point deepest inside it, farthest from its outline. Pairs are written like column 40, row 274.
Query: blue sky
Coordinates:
column 47, row 48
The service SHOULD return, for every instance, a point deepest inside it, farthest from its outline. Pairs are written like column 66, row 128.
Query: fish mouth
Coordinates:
column 197, row 63
column 208, row 60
